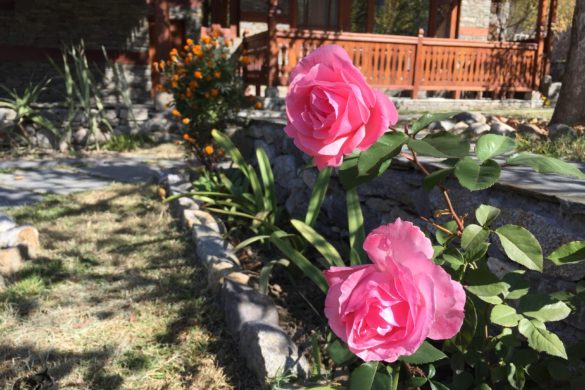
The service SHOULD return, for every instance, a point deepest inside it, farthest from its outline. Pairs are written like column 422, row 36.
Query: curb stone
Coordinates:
column 250, row 317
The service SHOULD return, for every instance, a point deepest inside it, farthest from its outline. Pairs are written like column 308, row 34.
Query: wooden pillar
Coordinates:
column 552, row 19
column 234, row 21
column 454, row 19
column 160, row 38
column 272, row 47
column 219, row 10
column 344, row 19
column 540, row 37
column 293, row 13
column 418, row 64
column 371, row 15
column 432, row 27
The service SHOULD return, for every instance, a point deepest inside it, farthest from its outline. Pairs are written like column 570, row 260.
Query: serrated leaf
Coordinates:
column 544, row 308
column 491, row 145
column 521, row 246
column 545, row 164
column 388, row 146
column 442, row 145
column 436, row 177
column 504, row 315
column 474, row 176
column 473, row 235
column 540, row 339
column 485, row 214
column 424, row 121
column 426, row 353
column 571, row 253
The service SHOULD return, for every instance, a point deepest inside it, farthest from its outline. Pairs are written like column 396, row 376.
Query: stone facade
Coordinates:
column 474, row 20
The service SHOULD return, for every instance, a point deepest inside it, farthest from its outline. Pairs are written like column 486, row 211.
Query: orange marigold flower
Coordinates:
column 193, row 84
column 186, row 137
column 216, row 33
column 189, row 42
column 155, row 66
column 226, row 41
column 162, row 64
column 174, row 84
column 186, row 47
column 208, row 149
column 217, row 74
column 173, row 52
column 215, row 43
column 188, row 60
column 258, row 105
column 245, row 60
column 186, row 121
column 214, row 92
column 205, row 39
column 197, row 50
column 176, row 113
column 197, row 74
column 189, row 93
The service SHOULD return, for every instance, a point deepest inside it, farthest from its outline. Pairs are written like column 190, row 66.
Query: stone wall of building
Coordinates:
column 474, row 20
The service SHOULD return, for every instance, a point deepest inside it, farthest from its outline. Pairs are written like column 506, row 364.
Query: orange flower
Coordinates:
column 162, row 65
column 197, row 50
column 214, row 92
column 186, row 137
column 208, row 149
column 197, row 74
column 186, row 121
column 189, row 42
column 215, row 43
column 217, row 74
column 226, row 41
column 216, row 33
column 245, row 60
column 188, row 60
column 193, row 84
column 173, row 52
column 174, row 84
column 176, row 113
column 189, row 93
column 155, row 66
column 186, row 47
column 205, row 39
column 258, row 105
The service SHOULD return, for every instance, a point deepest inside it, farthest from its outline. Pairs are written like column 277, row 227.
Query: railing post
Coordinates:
column 540, row 26
column 418, row 63
column 272, row 49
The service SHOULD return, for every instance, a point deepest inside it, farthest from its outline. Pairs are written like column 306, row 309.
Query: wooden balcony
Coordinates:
column 403, row 63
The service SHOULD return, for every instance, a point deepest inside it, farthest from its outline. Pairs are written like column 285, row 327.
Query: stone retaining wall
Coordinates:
column 398, row 193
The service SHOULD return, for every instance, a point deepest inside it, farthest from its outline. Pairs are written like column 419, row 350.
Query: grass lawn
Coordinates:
column 116, row 301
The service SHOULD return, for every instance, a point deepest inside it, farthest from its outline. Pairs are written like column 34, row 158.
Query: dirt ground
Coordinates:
column 116, row 301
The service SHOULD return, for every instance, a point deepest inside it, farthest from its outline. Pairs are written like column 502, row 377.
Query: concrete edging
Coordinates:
column 252, row 318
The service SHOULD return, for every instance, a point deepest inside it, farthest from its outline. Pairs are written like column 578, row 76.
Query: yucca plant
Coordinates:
column 26, row 113
column 82, row 95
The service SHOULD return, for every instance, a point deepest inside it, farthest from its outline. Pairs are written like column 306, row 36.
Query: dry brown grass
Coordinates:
column 115, row 301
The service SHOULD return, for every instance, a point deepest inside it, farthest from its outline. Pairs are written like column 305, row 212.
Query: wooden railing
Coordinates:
column 407, row 63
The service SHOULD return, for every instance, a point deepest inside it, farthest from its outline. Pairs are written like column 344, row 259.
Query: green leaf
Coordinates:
column 424, row 121
column 426, row 353
column 355, row 223
column 250, row 241
column 349, row 175
column 339, row 353
column 571, row 253
column 543, row 308
column 436, row 177
column 442, row 237
column 540, row 339
column 521, row 246
column 491, row 145
column 388, row 146
column 485, row 214
column 267, row 181
column 441, row 145
column 467, row 331
column 329, row 252
column 518, row 285
column 544, row 164
column 300, row 261
column 437, row 386
column 265, row 274
column 362, row 378
column 516, row 377
column 318, row 195
column 474, row 176
column 473, row 235
column 504, row 315
column 488, row 290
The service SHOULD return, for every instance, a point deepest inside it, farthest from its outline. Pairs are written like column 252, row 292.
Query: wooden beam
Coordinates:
column 432, row 26
column 272, row 47
column 344, row 21
column 552, row 20
column 540, row 37
column 219, row 12
column 293, row 13
column 371, row 16
column 454, row 19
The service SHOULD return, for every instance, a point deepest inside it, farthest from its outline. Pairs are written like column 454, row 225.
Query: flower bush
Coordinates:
column 203, row 78
column 408, row 309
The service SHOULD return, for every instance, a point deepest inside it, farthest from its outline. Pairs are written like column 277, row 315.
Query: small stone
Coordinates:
column 470, row 118
column 502, row 129
column 559, row 130
column 444, row 125
column 531, row 132
column 285, row 169
column 309, row 177
column 269, row 352
column 26, row 237
column 477, row 129
column 6, row 223
column 269, row 149
column 217, row 273
column 460, row 128
column 11, row 261
column 243, row 304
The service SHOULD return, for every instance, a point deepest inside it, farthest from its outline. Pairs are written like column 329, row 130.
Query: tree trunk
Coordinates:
column 570, row 108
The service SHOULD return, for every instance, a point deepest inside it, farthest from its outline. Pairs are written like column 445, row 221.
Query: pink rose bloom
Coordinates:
column 331, row 110
column 386, row 309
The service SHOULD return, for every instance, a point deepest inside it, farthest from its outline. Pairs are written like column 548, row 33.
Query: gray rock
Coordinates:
column 460, row 128
column 530, row 132
column 162, row 101
column 7, row 115
column 309, row 177
column 243, row 304
column 296, row 203
column 285, row 169
column 477, row 129
column 444, row 125
column 140, row 114
column 211, row 247
column 502, row 129
column 559, row 130
column 553, row 91
column 269, row 149
column 6, row 223
column 269, row 352
column 470, row 118
column 500, row 267
column 43, row 140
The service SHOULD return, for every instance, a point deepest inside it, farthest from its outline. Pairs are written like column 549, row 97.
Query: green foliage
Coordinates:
column 26, row 113
column 565, row 147
column 126, row 142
